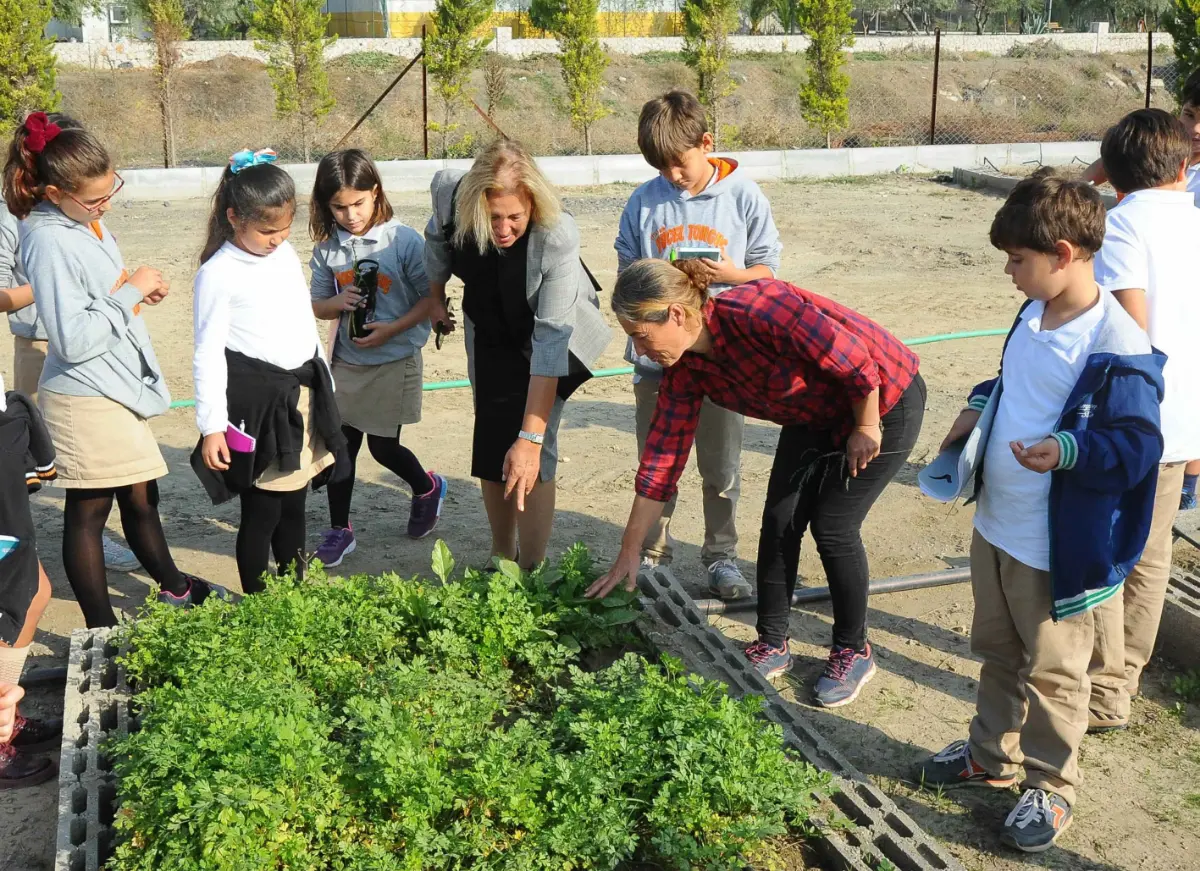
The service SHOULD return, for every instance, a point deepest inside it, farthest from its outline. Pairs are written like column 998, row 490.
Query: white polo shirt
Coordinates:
column 1193, row 182
column 1150, row 241
column 1040, row 370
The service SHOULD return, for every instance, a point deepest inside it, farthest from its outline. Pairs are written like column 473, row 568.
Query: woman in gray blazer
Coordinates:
column 533, row 330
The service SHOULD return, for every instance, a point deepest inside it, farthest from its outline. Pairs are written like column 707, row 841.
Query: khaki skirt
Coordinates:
column 99, row 443
column 378, row 400
column 314, row 456
column 29, row 356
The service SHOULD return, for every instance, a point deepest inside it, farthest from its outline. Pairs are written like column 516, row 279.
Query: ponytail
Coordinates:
column 252, row 188
column 647, row 289
column 49, row 150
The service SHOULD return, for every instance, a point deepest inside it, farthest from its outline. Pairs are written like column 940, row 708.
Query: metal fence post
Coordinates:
column 937, row 57
column 424, row 95
column 1149, row 63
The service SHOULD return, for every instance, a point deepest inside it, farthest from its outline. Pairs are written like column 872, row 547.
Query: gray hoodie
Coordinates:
column 23, row 322
column 730, row 214
column 99, row 345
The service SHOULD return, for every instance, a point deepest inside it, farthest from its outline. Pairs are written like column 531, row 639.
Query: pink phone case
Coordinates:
column 239, row 441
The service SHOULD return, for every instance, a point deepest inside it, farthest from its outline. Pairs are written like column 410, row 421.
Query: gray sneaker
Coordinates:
column 726, row 581
column 117, row 558
column 1036, row 822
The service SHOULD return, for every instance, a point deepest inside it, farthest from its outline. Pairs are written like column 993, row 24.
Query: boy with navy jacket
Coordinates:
column 1065, row 491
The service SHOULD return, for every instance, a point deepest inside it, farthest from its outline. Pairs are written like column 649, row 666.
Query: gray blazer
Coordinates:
column 566, row 311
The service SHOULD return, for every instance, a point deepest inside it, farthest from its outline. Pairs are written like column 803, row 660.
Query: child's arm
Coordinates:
column 763, row 246
column 1095, row 173
column 327, row 303
column 13, row 297
column 210, row 372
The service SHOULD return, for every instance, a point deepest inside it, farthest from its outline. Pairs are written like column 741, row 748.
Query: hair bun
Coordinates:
column 696, row 272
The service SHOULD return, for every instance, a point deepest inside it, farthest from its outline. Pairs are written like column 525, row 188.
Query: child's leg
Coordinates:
column 341, row 492
column 138, row 504
column 36, row 608
column 261, row 511
column 1000, row 697
column 719, row 461
column 657, row 545
column 1054, row 678
column 287, row 542
column 1187, row 498
column 399, row 460
column 84, row 516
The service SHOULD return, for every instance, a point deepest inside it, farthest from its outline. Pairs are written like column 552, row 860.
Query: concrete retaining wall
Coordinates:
column 141, row 54
column 415, row 175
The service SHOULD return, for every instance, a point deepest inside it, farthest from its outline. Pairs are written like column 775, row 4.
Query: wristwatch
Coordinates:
column 536, row 437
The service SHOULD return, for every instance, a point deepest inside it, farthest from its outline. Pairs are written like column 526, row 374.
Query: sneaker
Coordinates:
column 1187, row 501
column 726, row 581
column 846, row 673
column 36, row 736
column 769, row 661
column 19, row 770
column 118, row 558
column 955, row 767
column 427, row 509
column 197, row 592
column 1036, row 822
column 336, row 545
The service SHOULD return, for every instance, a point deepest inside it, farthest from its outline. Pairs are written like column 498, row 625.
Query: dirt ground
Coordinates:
column 911, row 253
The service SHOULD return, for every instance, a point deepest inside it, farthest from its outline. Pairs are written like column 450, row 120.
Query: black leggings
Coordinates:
column 390, row 454
column 84, row 517
column 810, row 487
column 271, row 523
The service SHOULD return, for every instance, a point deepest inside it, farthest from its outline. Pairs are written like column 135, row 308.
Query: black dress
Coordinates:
column 495, row 301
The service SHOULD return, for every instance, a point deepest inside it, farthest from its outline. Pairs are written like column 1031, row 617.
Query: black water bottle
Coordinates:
column 366, row 280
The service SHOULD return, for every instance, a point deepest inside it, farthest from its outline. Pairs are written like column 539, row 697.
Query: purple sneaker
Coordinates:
column 769, row 661
column 427, row 509
column 335, row 547
column 846, row 673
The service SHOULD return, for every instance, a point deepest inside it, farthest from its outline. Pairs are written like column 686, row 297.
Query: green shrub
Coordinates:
column 377, row 723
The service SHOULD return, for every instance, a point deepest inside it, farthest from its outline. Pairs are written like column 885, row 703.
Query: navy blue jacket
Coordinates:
column 1102, row 491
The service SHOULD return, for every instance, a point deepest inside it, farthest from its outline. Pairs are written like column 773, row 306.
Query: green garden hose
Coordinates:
column 628, row 370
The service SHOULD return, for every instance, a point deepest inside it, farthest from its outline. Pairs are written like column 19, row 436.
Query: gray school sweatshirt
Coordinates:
column 23, row 322
column 99, row 345
column 731, row 214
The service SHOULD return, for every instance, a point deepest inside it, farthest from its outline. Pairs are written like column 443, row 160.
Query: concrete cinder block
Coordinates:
column 1179, row 633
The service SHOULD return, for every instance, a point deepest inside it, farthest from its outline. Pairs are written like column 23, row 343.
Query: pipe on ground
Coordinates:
column 805, row 595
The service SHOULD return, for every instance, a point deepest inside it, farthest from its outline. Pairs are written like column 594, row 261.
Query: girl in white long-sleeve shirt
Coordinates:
column 251, row 297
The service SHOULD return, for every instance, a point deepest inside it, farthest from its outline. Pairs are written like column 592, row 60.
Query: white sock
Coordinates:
column 12, row 663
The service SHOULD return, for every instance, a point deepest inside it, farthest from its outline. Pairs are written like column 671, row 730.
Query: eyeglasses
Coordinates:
column 95, row 205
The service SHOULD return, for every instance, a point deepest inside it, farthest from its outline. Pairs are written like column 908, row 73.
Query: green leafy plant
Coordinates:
column 373, row 722
column 452, row 53
column 706, row 28
column 823, row 100
column 26, row 61
column 1182, row 21
column 581, row 57
column 292, row 33
column 1187, row 686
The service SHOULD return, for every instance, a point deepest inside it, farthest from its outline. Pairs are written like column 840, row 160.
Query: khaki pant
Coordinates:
column 29, row 356
column 1127, row 625
column 1031, row 706
column 718, row 457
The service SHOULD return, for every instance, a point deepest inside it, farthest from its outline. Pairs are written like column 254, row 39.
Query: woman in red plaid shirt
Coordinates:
column 850, row 400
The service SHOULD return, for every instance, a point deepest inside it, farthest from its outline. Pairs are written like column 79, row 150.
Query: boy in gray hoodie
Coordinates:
column 702, row 207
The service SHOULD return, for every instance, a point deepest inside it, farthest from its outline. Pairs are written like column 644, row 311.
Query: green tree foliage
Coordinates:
column 1183, row 23
column 26, row 61
column 452, row 53
column 582, row 59
column 706, row 28
column 292, row 33
column 756, row 12
column 823, row 101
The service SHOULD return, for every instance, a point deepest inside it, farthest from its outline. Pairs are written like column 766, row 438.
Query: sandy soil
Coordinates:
column 910, row 253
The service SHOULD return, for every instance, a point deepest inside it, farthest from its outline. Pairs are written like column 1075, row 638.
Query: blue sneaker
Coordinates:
column 769, row 661
column 336, row 544
column 1187, row 500
column 846, row 673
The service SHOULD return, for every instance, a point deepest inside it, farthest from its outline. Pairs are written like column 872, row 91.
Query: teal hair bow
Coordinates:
column 247, row 158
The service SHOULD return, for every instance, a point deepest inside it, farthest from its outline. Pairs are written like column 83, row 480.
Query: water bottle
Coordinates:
column 366, row 279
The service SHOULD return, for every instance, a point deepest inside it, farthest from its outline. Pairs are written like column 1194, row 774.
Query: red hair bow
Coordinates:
column 39, row 132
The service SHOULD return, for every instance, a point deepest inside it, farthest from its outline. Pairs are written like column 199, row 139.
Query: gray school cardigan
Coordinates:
column 566, row 311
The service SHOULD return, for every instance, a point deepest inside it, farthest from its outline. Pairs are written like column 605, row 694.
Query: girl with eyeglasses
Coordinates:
column 101, row 382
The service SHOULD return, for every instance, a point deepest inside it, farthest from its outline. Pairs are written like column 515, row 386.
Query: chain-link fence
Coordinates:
column 1035, row 93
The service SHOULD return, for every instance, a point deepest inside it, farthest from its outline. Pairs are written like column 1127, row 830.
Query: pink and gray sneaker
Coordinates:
column 336, row 545
column 427, row 509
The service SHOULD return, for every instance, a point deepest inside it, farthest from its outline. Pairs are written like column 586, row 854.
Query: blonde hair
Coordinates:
column 647, row 289
column 504, row 168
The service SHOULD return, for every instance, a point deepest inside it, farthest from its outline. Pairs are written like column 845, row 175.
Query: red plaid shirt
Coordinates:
column 780, row 354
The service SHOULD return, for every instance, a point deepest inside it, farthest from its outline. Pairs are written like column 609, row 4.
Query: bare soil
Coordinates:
column 222, row 106
column 909, row 252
